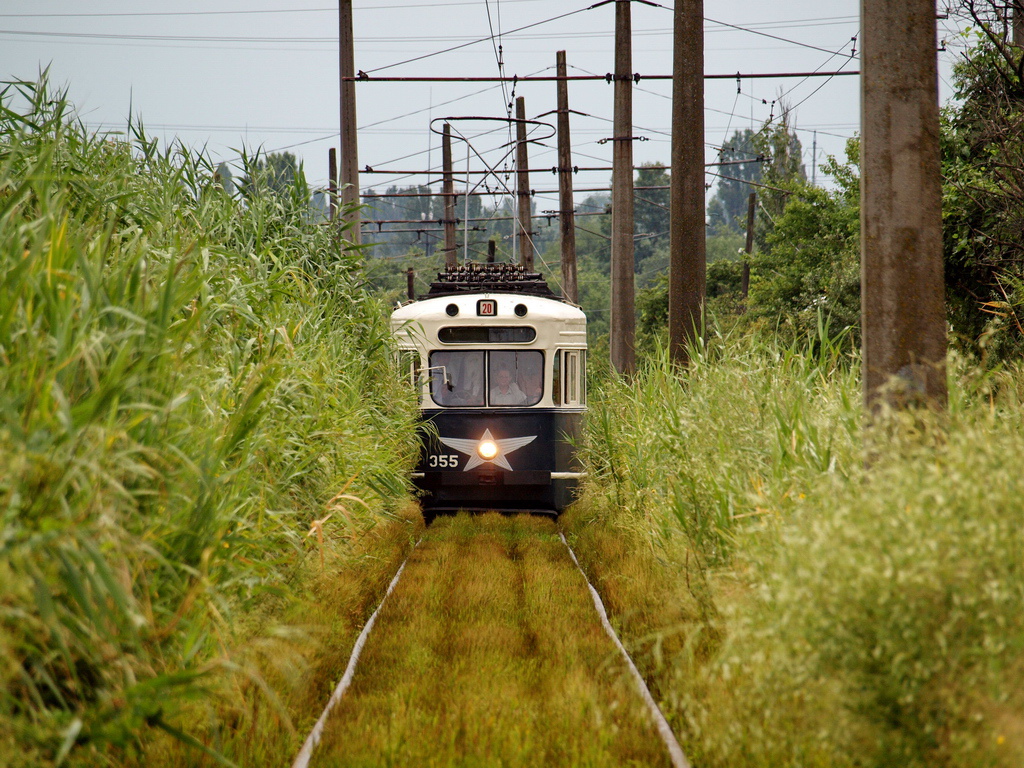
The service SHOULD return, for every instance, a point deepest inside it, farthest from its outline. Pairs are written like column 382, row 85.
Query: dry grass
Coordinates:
column 489, row 652
column 655, row 595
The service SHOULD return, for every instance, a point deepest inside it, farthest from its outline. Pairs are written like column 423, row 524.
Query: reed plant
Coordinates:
column 188, row 380
column 816, row 591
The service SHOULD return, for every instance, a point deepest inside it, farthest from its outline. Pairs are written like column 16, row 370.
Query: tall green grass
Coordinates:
column 187, row 381
column 854, row 596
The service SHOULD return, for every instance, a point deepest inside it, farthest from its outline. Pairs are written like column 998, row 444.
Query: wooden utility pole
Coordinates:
column 524, row 235
column 332, row 183
column 566, row 206
column 448, row 193
column 623, row 315
column 349, row 146
column 410, row 283
column 491, row 248
column 687, row 248
column 902, row 310
column 745, row 279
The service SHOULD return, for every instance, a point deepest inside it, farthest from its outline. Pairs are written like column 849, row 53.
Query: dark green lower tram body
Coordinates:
column 535, row 475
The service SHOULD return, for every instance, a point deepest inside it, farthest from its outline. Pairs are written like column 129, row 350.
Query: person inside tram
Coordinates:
column 531, row 382
column 505, row 391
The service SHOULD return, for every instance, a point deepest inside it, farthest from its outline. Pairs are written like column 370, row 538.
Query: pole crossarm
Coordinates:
column 575, row 168
column 533, row 192
column 609, row 78
column 429, row 222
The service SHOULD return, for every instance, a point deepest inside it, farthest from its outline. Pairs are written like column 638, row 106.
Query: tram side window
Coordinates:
column 457, row 378
column 572, row 377
column 583, row 377
column 409, row 366
column 409, row 369
column 515, row 377
column 556, row 377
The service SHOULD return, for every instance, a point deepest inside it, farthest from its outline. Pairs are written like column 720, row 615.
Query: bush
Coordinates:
column 841, row 613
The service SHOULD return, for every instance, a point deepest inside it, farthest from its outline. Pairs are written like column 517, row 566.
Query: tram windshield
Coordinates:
column 496, row 378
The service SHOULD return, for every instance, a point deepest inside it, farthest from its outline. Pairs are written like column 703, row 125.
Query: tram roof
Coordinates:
column 477, row 277
column 537, row 307
column 511, row 284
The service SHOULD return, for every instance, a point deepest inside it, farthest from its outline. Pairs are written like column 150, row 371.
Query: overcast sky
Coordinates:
column 223, row 74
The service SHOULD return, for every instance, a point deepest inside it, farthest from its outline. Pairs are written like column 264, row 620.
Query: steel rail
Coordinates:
column 306, row 753
column 664, row 729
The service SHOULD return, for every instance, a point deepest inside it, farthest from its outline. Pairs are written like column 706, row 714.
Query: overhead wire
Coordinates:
column 492, row 37
column 426, row 151
column 149, row 39
column 650, row 130
column 478, row 40
column 499, row 51
column 852, row 55
column 432, row 106
column 765, row 34
column 247, row 12
column 496, row 45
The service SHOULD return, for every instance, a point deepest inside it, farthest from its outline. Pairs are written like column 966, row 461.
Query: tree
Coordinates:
column 282, row 169
column 782, row 166
column 982, row 144
column 741, row 160
column 224, row 178
column 278, row 174
column 651, row 216
column 809, row 265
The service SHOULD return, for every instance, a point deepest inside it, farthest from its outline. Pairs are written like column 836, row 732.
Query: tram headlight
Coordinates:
column 487, row 449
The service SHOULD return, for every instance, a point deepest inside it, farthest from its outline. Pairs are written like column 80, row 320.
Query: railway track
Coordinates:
column 490, row 648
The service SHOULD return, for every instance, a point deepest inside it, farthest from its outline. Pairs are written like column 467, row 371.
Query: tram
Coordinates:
column 499, row 362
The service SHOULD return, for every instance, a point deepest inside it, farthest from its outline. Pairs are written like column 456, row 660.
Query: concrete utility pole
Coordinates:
column 524, row 234
column 566, row 206
column 745, row 279
column 814, row 161
column 687, row 248
column 448, row 193
column 349, row 146
column 332, row 183
column 623, row 316
column 902, row 308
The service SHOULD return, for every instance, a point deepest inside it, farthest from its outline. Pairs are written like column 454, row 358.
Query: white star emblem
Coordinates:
column 505, row 447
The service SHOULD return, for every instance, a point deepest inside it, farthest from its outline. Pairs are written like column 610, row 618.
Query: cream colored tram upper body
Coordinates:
column 458, row 322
